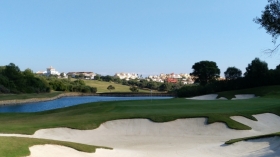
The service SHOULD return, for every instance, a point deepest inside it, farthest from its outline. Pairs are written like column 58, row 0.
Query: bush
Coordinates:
column 3, row 89
column 134, row 89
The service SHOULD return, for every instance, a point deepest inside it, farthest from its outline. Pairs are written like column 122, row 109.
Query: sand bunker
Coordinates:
column 56, row 151
column 214, row 97
column 205, row 97
column 179, row 138
column 243, row 96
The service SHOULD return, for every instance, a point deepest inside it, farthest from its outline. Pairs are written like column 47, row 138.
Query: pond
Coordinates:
column 66, row 102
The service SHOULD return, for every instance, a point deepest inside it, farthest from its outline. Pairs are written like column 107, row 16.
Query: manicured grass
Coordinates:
column 91, row 115
column 28, row 96
column 264, row 91
column 251, row 138
column 102, row 86
column 19, row 146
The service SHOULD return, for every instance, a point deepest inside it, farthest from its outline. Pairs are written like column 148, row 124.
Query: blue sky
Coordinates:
column 145, row 37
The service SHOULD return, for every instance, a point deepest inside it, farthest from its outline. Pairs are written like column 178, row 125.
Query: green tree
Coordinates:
column 164, row 87
column 81, row 76
column 270, row 21
column 107, row 78
column 12, row 72
column 61, row 75
column 79, row 82
column 69, row 77
column 277, row 67
column 110, row 87
column 28, row 73
column 256, row 72
column 97, row 77
column 134, row 89
column 152, row 85
column 2, row 68
column 205, row 71
column 232, row 73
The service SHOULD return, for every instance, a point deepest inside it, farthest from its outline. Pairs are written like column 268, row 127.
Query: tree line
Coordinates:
column 206, row 74
column 70, row 86
column 13, row 80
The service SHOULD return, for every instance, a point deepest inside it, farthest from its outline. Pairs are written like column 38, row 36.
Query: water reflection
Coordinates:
column 65, row 102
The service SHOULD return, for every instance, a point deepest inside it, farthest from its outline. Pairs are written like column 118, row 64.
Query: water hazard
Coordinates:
column 66, row 102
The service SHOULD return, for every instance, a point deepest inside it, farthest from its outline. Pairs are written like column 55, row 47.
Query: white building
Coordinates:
column 50, row 71
column 126, row 76
column 184, row 77
column 87, row 75
column 155, row 78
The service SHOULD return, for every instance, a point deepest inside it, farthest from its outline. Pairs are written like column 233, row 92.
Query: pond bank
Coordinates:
column 33, row 100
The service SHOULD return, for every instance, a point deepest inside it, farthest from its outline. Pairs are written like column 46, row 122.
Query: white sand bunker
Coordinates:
column 56, row 151
column 205, row 97
column 214, row 97
column 243, row 96
column 179, row 138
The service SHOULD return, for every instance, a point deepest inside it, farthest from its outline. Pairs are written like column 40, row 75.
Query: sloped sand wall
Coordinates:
column 179, row 138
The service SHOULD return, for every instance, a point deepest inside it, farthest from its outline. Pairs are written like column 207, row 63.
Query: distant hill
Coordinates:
column 102, row 86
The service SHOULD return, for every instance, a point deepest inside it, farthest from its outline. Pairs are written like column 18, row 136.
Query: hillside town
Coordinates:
column 184, row 78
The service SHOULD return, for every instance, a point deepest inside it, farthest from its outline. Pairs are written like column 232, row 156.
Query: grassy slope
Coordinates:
column 28, row 96
column 91, row 115
column 102, row 86
column 18, row 146
column 265, row 91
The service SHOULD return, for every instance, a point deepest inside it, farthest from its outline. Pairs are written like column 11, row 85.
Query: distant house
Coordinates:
column 86, row 75
column 155, row 78
column 126, row 76
column 50, row 71
column 40, row 72
column 171, row 80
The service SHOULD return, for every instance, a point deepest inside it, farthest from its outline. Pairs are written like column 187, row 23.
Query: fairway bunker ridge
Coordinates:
column 243, row 96
column 205, row 97
column 180, row 138
column 214, row 97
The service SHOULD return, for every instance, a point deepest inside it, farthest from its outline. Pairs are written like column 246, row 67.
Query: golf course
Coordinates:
column 156, row 127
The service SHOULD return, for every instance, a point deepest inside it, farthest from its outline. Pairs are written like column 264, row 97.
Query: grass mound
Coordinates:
column 264, row 91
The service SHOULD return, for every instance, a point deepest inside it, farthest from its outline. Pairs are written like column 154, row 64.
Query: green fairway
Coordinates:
column 19, row 146
column 91, row 115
